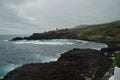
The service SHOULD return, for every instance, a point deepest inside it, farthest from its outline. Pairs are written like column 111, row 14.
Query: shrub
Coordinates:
column 116, row 61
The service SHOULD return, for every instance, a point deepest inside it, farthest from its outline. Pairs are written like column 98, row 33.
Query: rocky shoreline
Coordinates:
column 76, row 64
column 106, row 33
column 65, row 34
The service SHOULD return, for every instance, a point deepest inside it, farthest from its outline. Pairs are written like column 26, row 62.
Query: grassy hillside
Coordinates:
column 103, row 32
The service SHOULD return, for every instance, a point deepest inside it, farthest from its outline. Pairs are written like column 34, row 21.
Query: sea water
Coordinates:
column 16, row 53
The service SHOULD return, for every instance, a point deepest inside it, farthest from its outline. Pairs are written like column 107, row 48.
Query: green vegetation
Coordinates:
column 102, row 32
column 109, row 31
column 116, row 61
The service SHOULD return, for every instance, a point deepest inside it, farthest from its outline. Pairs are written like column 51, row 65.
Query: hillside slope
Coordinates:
column 103, row 33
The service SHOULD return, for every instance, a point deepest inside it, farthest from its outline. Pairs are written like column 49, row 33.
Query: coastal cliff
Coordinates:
column 107, row 33
column 76, row 64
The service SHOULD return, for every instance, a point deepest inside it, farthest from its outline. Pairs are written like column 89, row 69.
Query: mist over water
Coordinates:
column 17, row 53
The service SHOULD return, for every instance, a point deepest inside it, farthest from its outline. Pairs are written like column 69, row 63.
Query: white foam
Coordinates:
column 5, row 40
column 6, row 69
column 83, row 43
column 48, row 42
column 44, row 58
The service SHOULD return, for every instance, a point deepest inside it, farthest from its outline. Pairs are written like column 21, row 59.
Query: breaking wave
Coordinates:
column 52, row 42
column 4, row 70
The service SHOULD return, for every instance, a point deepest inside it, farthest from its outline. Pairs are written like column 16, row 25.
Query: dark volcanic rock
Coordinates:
column 17, row 38
column 48, row 35
column 78, row 54
column 111, row 49
column 110, row 52
column 76, row 64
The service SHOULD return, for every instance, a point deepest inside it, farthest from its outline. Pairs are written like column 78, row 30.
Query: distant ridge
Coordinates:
column 86, row 25
column 80, row 26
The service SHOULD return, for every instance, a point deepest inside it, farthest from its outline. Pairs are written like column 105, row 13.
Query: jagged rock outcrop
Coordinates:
column 76, row 64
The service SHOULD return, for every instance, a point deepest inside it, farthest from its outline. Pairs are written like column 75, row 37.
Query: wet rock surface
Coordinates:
column 76, row 64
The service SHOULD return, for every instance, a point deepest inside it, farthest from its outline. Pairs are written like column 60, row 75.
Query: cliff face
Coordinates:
column 76, row 64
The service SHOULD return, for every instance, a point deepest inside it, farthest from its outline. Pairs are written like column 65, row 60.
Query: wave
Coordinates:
column 4, row 70
column 44, row 58
column 82, row 43
column 6, row 40
column 51, row 42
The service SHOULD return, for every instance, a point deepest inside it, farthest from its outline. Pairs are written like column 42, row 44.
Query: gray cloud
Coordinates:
column 28, row 16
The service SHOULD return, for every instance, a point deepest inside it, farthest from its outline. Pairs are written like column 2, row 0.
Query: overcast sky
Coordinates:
column 29, row 16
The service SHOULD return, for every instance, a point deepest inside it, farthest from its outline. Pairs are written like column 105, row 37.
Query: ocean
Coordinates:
column 17, row 53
